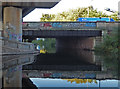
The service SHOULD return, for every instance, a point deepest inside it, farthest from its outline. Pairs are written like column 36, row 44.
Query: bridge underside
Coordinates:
column 74, row 45
column 60, row 33
column 27, row 5
column 67, row 41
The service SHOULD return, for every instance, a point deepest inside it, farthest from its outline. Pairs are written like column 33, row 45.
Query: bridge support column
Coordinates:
column 0, row 19
column 13, row 23
column 69, row 45
column 12, row 79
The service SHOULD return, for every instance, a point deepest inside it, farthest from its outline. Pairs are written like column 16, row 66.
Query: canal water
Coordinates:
column 83, row 70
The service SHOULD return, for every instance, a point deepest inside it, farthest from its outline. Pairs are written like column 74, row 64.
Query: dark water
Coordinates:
column 83, row 70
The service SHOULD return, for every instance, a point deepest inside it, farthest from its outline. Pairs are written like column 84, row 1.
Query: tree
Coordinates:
column 47, row 17
column 73, row 14
column 49, row 44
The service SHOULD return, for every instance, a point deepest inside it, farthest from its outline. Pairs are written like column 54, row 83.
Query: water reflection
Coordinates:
column 78, row 81
column 43, row 83
column 83, row 69
column 84, row 60
column 12, row 69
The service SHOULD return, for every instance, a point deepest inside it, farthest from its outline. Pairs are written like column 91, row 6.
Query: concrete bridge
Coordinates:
column 69, row 35
column 60, row 29
column 60, row 33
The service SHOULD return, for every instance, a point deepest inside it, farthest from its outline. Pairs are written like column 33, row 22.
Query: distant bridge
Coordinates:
column 60, row 29
column 68, row 34
column 60, row 33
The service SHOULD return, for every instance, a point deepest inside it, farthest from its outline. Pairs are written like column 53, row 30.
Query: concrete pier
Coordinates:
column 12, row 23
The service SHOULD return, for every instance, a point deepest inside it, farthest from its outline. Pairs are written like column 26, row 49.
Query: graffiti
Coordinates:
column 56, row 25
column 10, row 32
column 90, row 25
column 60, row 75
column 90, row 75
column 47, row 25
column 60, row 25
column 13, row 36
column 47, row 74
column 52, row 75
column 13, row 69
column 56, row 75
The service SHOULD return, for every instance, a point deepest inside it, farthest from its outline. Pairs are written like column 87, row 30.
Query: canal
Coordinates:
column 83, row 70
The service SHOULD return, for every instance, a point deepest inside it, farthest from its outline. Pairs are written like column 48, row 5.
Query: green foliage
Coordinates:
column 108, row 51
column 110, row 62
column 73, row 14
column 38, row 42
column 47, row 17
column 48, row 43
column 110, row 44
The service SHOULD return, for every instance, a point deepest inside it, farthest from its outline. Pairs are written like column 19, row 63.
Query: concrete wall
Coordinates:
column 13, row 47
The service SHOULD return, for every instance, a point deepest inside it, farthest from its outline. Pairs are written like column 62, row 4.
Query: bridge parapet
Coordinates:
column 59, row 25
column 107, row 25
column 69, row 25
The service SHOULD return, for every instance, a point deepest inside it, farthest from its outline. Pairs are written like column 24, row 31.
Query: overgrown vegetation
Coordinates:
column 74, row 14
column 108, row 51
column 110, row 43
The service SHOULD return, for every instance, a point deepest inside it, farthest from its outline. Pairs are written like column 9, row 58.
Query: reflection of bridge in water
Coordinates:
column 67, row 66
column 66, row 62
column 99, row 75
column 68, row 36
column 12, row 69
column 14, row 72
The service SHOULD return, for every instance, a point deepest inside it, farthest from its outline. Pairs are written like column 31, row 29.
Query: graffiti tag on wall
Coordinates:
column 10, row 33
column 59, row 25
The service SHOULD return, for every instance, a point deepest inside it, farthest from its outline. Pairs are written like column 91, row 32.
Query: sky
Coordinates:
column 65, row 5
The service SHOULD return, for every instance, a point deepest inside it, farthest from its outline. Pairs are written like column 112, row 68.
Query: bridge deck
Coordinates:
column 61, row 33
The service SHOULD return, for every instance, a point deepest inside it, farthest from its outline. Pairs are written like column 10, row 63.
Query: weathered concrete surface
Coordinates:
column 29, row 5
column 13, row 47
column 1, row 28
column 15, row 60
column 12, row 69
column 12, row 23
column 73, row 25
